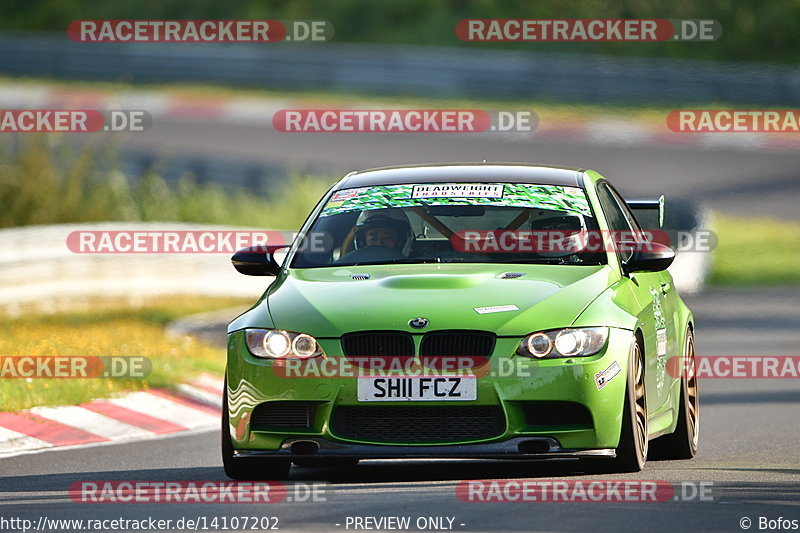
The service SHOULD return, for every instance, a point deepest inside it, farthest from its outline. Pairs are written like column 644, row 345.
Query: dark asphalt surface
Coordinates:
column 749, row 450
column 747, row 182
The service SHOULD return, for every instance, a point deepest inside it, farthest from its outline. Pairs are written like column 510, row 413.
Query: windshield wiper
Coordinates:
column 440, row 260
column 537, row 261
column 398, row 261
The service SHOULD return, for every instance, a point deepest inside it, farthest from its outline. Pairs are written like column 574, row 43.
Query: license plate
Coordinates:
column 417, row 388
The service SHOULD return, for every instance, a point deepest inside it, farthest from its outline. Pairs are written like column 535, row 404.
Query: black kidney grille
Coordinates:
column 454, row 343
column 423, row 424
column 378, row 343
column 269, row 415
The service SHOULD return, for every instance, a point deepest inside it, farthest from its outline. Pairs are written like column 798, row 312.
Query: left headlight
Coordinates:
column 572, row 342
column 280, row 344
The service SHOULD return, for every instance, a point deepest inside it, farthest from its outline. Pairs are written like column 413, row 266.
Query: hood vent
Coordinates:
column 511, row 275
column 359, row 277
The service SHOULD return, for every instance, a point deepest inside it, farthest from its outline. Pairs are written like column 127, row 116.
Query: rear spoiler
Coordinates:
column 648, row 204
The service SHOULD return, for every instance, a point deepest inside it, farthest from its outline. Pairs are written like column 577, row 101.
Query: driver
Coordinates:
column 559, row 234
column 379, row 237
column 382, row 236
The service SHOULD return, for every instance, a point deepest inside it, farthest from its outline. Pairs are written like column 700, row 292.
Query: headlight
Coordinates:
column 280, row 344
column 573, row 342
column 538, row 344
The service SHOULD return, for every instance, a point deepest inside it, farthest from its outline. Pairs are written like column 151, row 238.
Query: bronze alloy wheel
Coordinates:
column 631, row 453
column 640, row 401
column 692, row 399
column 683, row 442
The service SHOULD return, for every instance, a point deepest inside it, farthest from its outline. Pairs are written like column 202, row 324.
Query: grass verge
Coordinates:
column 755, row 251
column 111, row 329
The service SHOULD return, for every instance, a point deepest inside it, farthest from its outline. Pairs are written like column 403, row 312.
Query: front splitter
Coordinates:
column 516, row 448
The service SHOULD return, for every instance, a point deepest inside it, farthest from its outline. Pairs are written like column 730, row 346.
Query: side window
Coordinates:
column 627, row 211
column 615, row 216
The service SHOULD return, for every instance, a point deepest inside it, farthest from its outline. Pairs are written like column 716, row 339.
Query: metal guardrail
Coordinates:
column 406, row 70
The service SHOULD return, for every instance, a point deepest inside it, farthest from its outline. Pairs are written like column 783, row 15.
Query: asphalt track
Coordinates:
column 748, row 459
column 747, row 182
column 750, row 429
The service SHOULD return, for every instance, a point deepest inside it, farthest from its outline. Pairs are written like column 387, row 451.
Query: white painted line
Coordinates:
column 164, row 409
column 152, row 436
column 256, row 111
column 156, row 103
column 25, row 97
column 90, row 421
column 201, row 395
column 618, row 132
column 210, row 379
column 12, row 442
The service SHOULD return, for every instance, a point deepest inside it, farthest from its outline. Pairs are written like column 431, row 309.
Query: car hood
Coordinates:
column 327, row 302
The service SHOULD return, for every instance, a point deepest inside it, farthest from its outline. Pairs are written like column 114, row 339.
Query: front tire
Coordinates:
column 633, row 440
column 683, row 442
column 247, row 468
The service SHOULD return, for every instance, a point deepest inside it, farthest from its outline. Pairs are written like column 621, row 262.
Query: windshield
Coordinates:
column 446, row 223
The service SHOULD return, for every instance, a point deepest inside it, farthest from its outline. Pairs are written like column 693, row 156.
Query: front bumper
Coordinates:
column 518, row 385
column 516, row 448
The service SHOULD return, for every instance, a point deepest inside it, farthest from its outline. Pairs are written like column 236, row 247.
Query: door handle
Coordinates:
column 665, row 287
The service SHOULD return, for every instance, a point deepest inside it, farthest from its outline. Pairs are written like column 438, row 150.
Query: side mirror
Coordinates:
column 257, row 260
column 647, row 256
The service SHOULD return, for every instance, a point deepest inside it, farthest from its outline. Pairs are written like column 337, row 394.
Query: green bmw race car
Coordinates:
column 495, row 311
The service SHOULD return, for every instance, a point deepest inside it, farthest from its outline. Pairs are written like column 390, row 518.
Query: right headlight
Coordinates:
column 570, row 342
column 280, row 344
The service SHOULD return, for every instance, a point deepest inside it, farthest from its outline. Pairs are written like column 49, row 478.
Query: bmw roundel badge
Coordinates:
column 419, row 322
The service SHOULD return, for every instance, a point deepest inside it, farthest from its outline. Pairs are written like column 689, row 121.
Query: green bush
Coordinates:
column 44, row 180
